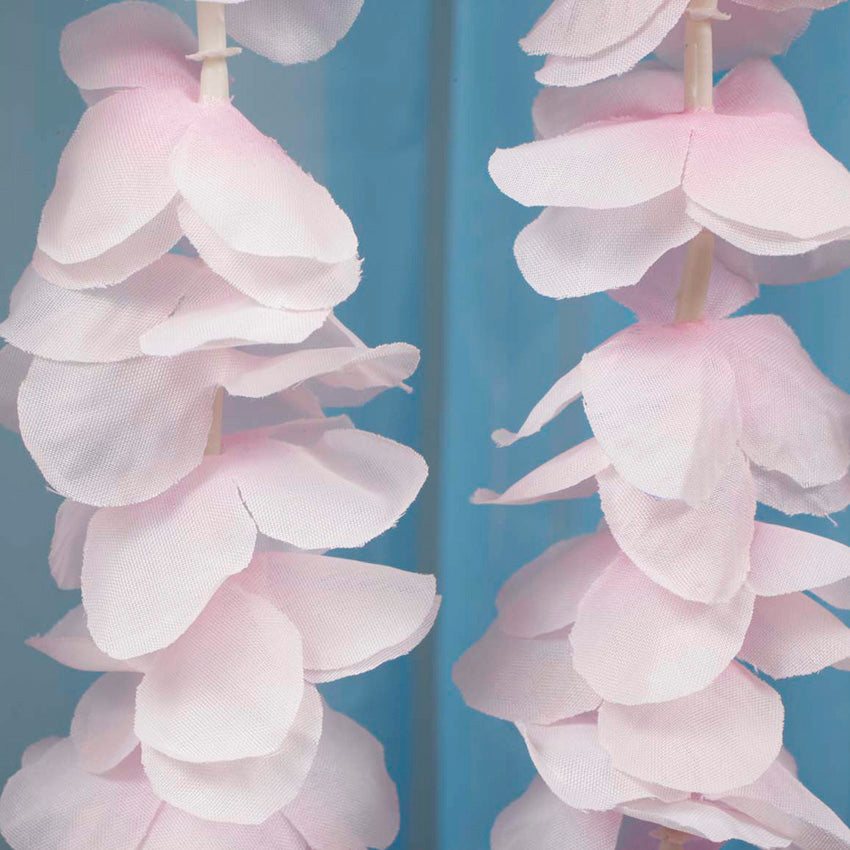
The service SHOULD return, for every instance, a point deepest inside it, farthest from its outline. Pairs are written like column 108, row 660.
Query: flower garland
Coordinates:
column 176, row 399
column 626, row 657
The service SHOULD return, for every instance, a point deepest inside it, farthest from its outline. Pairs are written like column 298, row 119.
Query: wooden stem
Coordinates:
column 215, row 85
column 699, row 96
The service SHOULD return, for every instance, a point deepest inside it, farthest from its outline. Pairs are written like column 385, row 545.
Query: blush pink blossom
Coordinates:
column 620, row 157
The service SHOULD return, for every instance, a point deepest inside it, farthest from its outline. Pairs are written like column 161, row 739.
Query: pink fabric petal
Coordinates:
column 574, row 67
column 102, row 728
column 291, row 31
column 698, row 553
column 544, row 595
column 560, row 254
column 794, row 636
column 295, row 283
column 569, row 475
column 66, row 545
column 147, row 245
column 732, row 174
column 750, row 33
column 95, row 326
column 253, row 196
column 636, row 643
column 826, row 261
column 596, row 167
column 723, row 736
column 70, row 643
column 648, row 91
column 248, row 791
column 837, row 594
column 340, row 488
column 653, row 299
column 540, row 820
column 348, row 799
column 757, row 87
column 778, row 800
column 579, row 771
column 565, row 391
column 14, row 365
column 129, row 45
column 669, row 380
column 75, row 419
column 164, row 559
column 346, row 611
column 229, row 688
column 173, row 828
column 703, row 818
column 383, row 366
column 795, row 421
column 786, row 495
column 785, row 560
column 523, row 680
column 37, row 749
column 112, row 181
column 52, row 803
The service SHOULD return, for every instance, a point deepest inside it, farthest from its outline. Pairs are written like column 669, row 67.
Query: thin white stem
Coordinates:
column 699, row 96
column 215, row 85
column 212, row 38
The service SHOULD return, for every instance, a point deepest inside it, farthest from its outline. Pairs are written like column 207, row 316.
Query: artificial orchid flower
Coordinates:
column 731, row 411
column 588, row 43
column 149, row 164
column 775, row 811
column 660, row 175
column 290, row 31
column 344, row 799
column 149, row 355
column 236, row 686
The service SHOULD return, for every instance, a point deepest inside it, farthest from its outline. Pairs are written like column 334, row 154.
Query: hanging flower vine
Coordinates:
column 626, row 657
column 177, row 401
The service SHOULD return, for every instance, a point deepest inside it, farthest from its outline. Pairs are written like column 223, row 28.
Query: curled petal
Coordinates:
column 569, row 475
column 248, row 791
column 294, row 283
column 794, row 636
column 102, row 728
column 756, row 86
column 164, row 558
column 563, row 393
column 683, row 395
column 129, row 45
column 347, row 612
column 53, row 802
column 70, row 643
column 340, row 488
column 66, row 545
column 636, row 643
column 579, row 771
column 786, row 495
column 229, row 688
column 837, row 594
column 252, row 195
column 14, row 365
column 795, row 421
column 523, row 680
column 699, row 553
column 785, row 560
column 540, row 820
column 112, row 182
column 616, row 164
column 291, row 31
column 348, row 799
column 560, row 254
column 544, row 595
column 708, row 742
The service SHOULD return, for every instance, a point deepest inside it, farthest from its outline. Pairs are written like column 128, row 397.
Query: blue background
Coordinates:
column 399, row 122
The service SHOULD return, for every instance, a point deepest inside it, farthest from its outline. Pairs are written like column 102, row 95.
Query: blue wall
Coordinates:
column 399, row 122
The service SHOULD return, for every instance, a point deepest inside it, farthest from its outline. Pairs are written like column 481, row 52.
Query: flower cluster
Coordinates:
column 176, row 399
column 629, row 658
